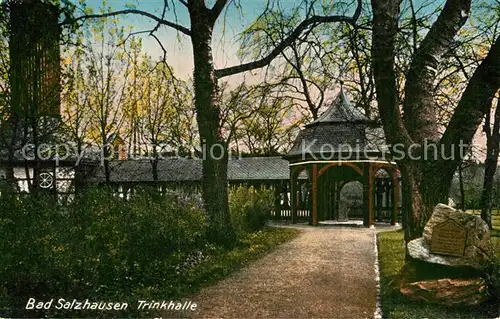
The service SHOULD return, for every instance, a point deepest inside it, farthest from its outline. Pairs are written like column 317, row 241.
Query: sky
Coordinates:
column 225, row 45
column 225, row 41
column 228, row 28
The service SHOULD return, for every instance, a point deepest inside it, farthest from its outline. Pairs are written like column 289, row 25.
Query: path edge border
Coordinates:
column 378, row 309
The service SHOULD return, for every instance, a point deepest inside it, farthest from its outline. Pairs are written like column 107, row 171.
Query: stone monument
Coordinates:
column 449, row 238
column 447, row 260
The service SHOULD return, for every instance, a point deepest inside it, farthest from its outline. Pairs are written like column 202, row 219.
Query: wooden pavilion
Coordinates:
column 341, row 146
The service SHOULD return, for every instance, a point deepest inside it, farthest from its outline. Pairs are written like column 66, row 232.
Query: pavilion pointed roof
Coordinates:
column 341, row 111
column 342, row 126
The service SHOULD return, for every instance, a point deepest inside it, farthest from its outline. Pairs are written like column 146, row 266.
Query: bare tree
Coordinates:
column 107, row 72
column 76, row 107
column 258, row 122
column 164, row 112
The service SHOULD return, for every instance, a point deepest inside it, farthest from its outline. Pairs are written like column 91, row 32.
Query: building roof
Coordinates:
column 258, row 168
column 186, row 170
column 340, row 111
column 341, row 129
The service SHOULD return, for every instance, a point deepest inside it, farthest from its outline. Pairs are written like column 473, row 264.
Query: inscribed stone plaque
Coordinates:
column 449, row 238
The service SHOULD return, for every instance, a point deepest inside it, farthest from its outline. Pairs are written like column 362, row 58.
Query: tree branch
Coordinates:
column 160, row 21
column 418, row 106
column 217, row 9
column 312, row 21
column 475, row 102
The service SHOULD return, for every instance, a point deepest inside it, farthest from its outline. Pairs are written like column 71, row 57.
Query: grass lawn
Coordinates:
column 396, row 306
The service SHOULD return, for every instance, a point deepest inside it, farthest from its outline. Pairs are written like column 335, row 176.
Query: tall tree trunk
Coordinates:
column 106, row 152
column 490, row 163
column 428, row 186
column 461, row 185
column 424, row 189
column 207, row 104
column 154, row 164
column 107, row 170
column 427, row 181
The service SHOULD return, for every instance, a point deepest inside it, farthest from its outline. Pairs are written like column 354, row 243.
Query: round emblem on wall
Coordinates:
column 46, row 180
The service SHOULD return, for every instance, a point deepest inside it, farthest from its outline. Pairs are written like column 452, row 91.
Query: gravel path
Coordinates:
column 323, row 273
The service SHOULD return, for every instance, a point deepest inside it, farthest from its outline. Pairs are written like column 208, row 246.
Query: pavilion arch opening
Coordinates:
column 350, row 201
column 331, row 180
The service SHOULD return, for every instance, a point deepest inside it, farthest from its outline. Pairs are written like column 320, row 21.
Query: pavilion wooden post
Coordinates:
column 314, row 195
column 395, row 194
column 293, row 197
column 371, row 217
column 366, row 196
column 334, row 204
column 277, row 200
column 389, row 198
column 378, row 197
column 328, row 196
column 322, row 191
column 338, row 189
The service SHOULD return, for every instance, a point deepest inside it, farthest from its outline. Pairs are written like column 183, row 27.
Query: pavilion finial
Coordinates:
column 341, row 85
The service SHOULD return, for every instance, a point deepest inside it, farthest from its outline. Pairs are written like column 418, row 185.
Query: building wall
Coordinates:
column 61, row 181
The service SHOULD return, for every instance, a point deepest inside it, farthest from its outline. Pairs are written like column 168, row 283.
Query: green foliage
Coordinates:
column 99, row 246
column 473, row 177
column 105, row 248
column 492, row 267
column 492, row 271
column 249, row 208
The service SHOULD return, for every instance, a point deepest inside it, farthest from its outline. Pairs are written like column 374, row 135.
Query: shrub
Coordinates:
column 250, row 208
column 492, row 277
column 103, row 247
column 28, row 233
column 98, row 246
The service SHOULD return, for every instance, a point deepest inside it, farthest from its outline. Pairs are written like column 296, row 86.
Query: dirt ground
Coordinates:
column 326, row 272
